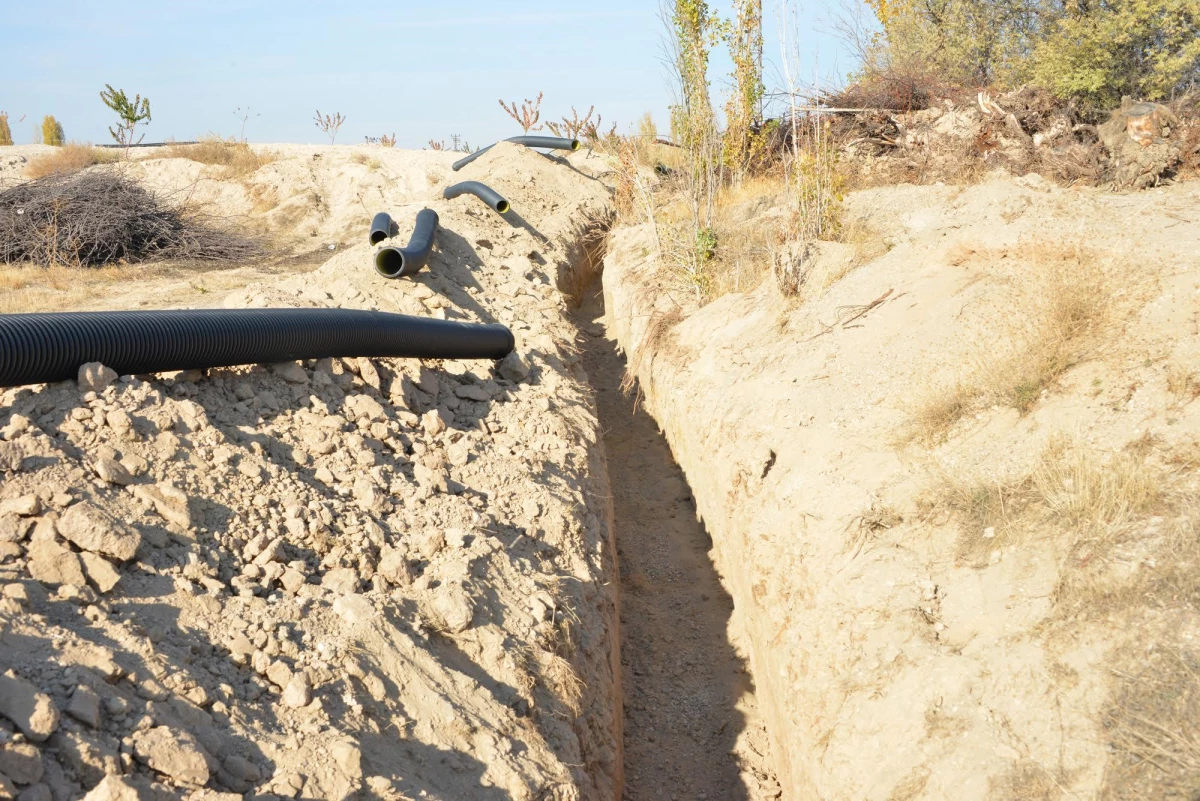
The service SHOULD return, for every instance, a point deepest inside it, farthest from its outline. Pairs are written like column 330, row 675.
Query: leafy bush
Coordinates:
column 1148, row 49
column 52, row 132
column 5, row 132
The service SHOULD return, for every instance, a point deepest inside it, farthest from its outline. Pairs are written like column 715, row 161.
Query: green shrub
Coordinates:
column 52, row 132
column 1149, row 49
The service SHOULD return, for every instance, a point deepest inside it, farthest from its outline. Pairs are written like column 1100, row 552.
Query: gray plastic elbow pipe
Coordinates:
column 393, row 262
column 551, row 142
column 482, row 191
column 381, row 227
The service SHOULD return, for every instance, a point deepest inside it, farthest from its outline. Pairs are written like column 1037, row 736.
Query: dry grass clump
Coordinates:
column 1089, row 495
column 238, row 158
column 67, row 159
column 93, row 219
column 1063, row 301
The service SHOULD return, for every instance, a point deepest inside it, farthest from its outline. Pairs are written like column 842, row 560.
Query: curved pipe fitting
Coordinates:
column 482, row 191
column 41, row 348
column 381, row 227
column 551, row 142
column 393, row 262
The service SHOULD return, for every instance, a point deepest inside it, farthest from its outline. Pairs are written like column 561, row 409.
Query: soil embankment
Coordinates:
column 948, row 487
column 349, row 578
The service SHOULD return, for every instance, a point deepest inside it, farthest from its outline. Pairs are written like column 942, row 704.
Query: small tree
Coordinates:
column 245, row 116
column 129, row 115
column 5, row 131
column 329, row 125
column 527, row 114
column 52, row 132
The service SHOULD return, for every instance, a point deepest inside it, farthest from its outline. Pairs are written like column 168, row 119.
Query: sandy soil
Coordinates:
column 910, row 636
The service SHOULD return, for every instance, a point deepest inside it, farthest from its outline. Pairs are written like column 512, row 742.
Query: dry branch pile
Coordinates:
column 91, row 219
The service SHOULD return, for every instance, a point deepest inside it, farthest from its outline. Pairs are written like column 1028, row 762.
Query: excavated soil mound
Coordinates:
column 348, row 578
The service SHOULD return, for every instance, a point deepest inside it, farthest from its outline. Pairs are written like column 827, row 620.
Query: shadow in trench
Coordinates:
column 686, row 689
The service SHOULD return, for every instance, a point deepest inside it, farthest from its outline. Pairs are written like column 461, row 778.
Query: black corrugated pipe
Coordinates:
column 381, row 227
column 40, row 348
column 482, row 191
column 551, row 142
column 393, row 262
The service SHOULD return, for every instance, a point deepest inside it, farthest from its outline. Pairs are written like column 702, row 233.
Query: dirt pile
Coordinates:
column 952, row 494
column 348, row 578
column 1024, row 132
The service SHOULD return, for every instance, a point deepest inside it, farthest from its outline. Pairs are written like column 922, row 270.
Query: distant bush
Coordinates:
column 70, row 158
column 52, row 132
column 5, row 131
column 238, row 158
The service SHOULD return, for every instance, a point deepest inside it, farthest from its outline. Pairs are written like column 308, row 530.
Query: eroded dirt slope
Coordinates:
column 349, row 578
column 949, row 494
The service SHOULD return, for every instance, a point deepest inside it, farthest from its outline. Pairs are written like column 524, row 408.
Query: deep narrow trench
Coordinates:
column 691, row 728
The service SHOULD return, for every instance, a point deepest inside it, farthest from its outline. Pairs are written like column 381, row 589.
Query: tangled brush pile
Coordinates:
column 100, row 217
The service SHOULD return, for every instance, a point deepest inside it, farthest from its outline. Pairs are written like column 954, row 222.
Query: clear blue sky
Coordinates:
column 421, row 69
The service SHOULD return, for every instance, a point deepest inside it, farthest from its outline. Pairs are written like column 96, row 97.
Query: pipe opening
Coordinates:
column 389, row 263
column 377, row 237
column 503, row 207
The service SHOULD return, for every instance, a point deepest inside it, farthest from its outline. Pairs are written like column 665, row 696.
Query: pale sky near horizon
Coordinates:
column 421, row 70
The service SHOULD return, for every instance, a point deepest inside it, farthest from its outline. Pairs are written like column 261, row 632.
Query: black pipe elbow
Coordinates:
column 382, row 227
column 42, row 348
column 482, row 191
column 393, row 262
column 551, row 142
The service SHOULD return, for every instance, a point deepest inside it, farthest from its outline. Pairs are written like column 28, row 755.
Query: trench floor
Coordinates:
column 691, row 729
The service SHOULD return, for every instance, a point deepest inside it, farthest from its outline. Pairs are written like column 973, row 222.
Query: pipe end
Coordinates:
column 575, row 144
column 389, row 263
column 377, row 237
column 503, row 207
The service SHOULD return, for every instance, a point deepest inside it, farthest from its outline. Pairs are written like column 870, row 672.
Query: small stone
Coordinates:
column 18, row 424
column 393, row 566
column 33, row 711
column 121, row 423
column 99, row 571
column 95, row 377
column 16, row 592
column 472, row 392
column 513, row 368
column 21, row 762
column 348, row 757
column 298, row 692
column 433, row 422
column 241, row 768
column 169, row 501
column 23, row 506
column 12, row 457
column 51, row 563
column 173, row 753
column 113, row 472
column 452, row 604
column 341, row 580
column 290, row 371
column 279, row 674
column 13, row 528
column 8, row 790
column 429, row 543
column 122, row 788
column 94, row 529
column 84, row 706
column 354, row 609
column 292, row 580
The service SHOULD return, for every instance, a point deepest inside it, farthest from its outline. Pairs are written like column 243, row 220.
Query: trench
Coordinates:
column 691, row 729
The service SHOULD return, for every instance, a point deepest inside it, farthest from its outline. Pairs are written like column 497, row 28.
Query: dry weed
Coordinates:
column 238, row 158
column 70, row 158
column 1062, row 303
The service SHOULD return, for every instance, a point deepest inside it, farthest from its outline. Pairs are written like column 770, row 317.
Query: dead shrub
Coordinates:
column 70, row 158
column 238, row 158
column 96, row 218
